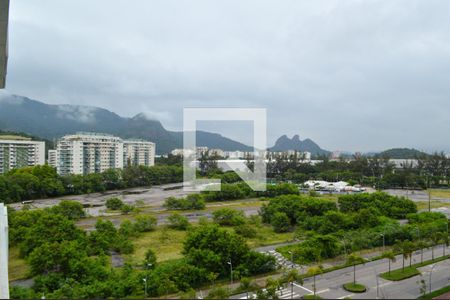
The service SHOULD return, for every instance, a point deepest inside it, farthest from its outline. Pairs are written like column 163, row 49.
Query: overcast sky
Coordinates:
column 351, row 75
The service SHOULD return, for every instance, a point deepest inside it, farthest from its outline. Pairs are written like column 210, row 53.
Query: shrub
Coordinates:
column 228, row 217
column 193, row 201
column 177, row 221
column 114, row 203
column 145, row 223
column 126, row 209
column 71, row 209
column 280, row 222
column 245, row 230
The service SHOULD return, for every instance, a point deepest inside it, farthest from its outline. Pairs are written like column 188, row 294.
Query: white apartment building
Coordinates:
column 138, row 153
column 52, row 159
column 85, row 153
column 18, row 152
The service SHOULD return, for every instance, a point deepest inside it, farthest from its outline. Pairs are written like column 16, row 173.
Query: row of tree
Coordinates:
column 43, row 181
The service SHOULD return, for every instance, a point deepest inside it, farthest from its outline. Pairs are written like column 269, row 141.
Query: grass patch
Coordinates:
column 440, row 193
column 354, row 287
column 422, row 205
column 266, row 236
column 167, row 244
column 311, row 296
column 17, row 267
column 400, row 274
column 435, row 293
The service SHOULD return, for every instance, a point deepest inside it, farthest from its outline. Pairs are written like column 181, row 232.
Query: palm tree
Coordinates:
column 444, row 240
column 246, row 285
column 292, row 276
column 390, row 257
column 421, row 245
column 353, row 260
column 314, row 271
column 435, row 238
column 406, row 248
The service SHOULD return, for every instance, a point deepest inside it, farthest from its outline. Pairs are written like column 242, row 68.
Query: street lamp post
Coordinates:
column 384, row 241
column 145, row 286
column 292, row 258
column 231, row 270
column 431, row 272
column 345, row 248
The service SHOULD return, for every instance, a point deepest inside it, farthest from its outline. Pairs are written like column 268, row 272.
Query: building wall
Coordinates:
column 137, row 152
column 86, row 153
column 20, row 153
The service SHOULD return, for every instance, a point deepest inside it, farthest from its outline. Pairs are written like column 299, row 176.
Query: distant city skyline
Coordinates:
column 352, row 76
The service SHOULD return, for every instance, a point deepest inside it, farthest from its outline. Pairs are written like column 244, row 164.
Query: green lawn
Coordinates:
column 266, row 236
column 440, row 193
column 401, row 274
column 312, row 297
column 408, row 272
column 166, row 243
column 354, row 287
column 423, row 205
column 17, row 267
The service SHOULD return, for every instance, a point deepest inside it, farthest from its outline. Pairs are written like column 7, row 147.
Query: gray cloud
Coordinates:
column 352, row 75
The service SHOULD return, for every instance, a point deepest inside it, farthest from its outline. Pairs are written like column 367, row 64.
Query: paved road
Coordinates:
column 329, row 285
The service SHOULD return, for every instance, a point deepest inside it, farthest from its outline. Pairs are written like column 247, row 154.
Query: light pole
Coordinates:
column 431, row 272
column 384, row 241
column 292, row 258
column 231, row 270
column 145, row 286
column 345, row 248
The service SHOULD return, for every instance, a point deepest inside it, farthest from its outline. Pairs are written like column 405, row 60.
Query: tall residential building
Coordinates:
column 52, row 159
column 138, row 153
column 85, row 153
column 18, row 152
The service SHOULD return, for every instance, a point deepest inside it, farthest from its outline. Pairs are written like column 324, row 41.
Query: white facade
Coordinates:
column 138, row 153
column 52, row 159
column 86, row 153
column 18, row 152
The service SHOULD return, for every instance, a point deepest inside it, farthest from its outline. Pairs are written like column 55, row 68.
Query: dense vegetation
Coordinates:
column 68, row 262
column 43, row 181
column 430, row 171
column 357, row 222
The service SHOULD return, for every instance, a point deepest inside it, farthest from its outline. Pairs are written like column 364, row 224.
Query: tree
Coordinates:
column 406, row 248
column 314, row 271
column 246, row 285
column 390, row 256
column 291, row 277
column 353, row 260
column 114, row 203
column 229, row 217
column 71, row 209
column 150, row 259
column 434, row 238
column 177, row 221
column 145, row 223
column 218, row 293
column 280, row 222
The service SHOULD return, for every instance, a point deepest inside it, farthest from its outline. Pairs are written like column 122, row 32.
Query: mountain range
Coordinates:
column 21, row 114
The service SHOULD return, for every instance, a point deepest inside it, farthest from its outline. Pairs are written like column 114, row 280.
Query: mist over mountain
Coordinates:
column 33, row 117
